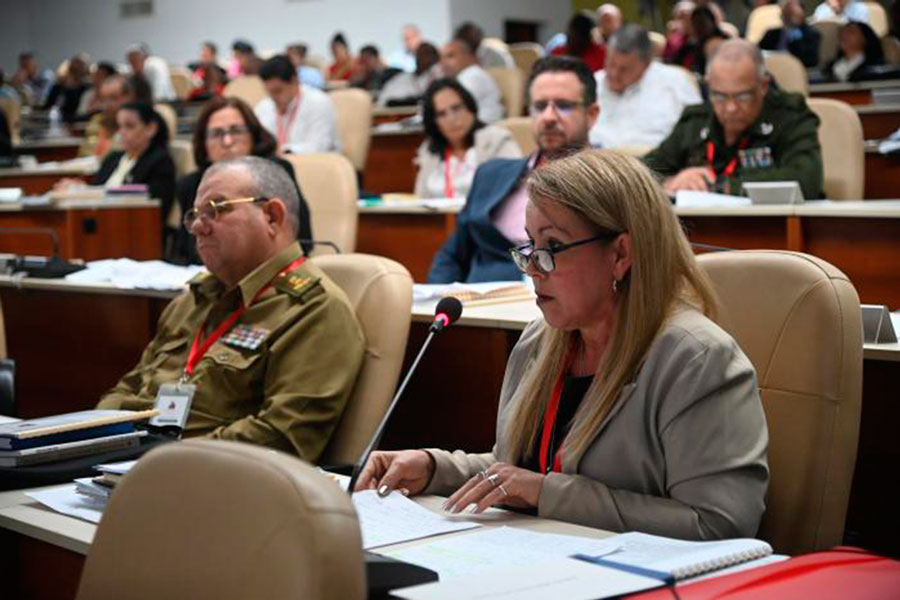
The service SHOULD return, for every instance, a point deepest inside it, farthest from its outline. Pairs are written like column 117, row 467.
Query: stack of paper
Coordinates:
column 131, row 274
column 474, row 293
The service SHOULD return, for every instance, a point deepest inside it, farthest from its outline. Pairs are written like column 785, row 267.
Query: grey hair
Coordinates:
column 269, row 180
column 632, row 39
column 735, row 50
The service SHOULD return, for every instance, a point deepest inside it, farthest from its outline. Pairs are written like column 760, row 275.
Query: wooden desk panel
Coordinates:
column 848, row 96
column 882, row 176
column 878, row 125
column 32, row 184
column 36, row 570
column 390, row 167
column 410, row 239
column 48, row 150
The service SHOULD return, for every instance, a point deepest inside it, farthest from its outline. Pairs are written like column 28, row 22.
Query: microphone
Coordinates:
column 447, row 312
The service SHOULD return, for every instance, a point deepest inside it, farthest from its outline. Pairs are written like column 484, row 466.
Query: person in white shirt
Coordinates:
column 458, row 60
column 301, row 118
column 405, row 58
column 640, row 99
column 843, row 10
column 153, row 69
column 489, row 55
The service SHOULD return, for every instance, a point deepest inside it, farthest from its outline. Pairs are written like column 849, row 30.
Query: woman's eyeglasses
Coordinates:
column 210, row 211
column 544, row 259
column 218, row 133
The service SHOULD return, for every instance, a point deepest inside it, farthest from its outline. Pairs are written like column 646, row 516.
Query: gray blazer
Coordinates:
column 490, row 142
column 681, row 454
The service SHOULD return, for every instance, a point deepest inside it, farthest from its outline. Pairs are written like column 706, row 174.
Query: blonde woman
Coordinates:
column 625, row 407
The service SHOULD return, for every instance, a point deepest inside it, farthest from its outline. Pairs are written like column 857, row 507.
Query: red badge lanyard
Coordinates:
column 730, row 168
column 550, row 420
column 199, row 348
column 448, row 178
column 285, row 124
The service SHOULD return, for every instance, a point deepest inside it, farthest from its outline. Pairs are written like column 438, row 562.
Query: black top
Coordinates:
column 71, row 99
column 181, row 249
column 574, row 389
column 802, row 42
column 5, row 136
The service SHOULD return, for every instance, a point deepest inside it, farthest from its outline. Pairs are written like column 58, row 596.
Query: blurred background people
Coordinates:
column 860, row 50
column 66, row 93
column 458, row 60
column 405, row 58
column 151, row 69
column 795, row 35
column 343, row 65
column 32, row 82
column 580, row 43
column 406, row 89
column 371, row 73
column 308, row 75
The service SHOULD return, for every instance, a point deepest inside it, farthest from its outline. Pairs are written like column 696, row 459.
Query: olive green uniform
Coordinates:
column 287, row 392
column 781, row 145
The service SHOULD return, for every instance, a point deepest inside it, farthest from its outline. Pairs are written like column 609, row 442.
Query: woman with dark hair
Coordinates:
column 343, row 66
column 143, row 159
column 705, row 37
column 860, row 49
column 226, row 128
column 456, row 142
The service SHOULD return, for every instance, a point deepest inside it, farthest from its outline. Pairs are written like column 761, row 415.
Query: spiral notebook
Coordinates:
column 678, row 559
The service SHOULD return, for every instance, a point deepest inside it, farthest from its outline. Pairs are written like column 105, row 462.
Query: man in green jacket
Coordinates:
column 748, row 131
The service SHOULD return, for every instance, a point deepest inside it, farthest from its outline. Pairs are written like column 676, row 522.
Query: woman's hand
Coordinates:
column 499, row 484
column 407, row 470
column 67, row 182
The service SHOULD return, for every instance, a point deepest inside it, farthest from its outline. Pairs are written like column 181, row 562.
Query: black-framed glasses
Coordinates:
column 544, row 259
column 210, row 211
column 563, row 108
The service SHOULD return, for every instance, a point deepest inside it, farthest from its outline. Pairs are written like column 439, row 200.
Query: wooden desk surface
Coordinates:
column 860, row 92
column 50, row 148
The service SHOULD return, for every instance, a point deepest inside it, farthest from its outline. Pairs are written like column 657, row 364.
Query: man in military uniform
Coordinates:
column 748, row 131
column 267, row 343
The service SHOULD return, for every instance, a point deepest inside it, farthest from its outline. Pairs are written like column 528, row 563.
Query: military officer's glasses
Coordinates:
column 544, row 259
column 210, row 211
column 742, row 98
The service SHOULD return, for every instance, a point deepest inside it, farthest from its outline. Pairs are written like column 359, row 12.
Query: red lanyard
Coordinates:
column 198, row 348
column 730, row 168
column 285, row 124
column 448, row 178
column 550, row 420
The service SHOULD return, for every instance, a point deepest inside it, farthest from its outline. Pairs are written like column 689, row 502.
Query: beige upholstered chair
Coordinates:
column 760, row 20
column 891, row 47
column 182, row 82
column 520, row 127
column 843, row 148
column 658, row 42
column 730, row 29
column 787, row 70
column 380, row 291
column 248, row 88
column 525, row 54
column 169, row 117
column 798, row 320
column 11, row 110
column 215, row 520
column 182, row 152
column 328, row 183
column 353, row 108
column 828, row 46
column 878, row 19
column 512, row 89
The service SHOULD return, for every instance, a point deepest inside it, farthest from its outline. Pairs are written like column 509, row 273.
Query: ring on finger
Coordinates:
column 503, row 490
column 494, row 479
column 481, row 474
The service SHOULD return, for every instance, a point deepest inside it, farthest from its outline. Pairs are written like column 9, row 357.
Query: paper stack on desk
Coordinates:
column 126, row 273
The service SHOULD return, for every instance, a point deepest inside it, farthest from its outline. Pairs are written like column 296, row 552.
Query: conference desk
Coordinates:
column 35, row 181
column 391, row 114
column 857, row 92
column 860, row 238
column 389, row 167
column 43, row 552
column 878, row 120
column 50, row 148
column 87, row 229
column 882, row 179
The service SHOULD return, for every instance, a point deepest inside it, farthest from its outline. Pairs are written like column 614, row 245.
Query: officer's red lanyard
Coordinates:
column 199, row 347
column 285, row 124
column 730, row 168
column 448, row 177
column 550, row 420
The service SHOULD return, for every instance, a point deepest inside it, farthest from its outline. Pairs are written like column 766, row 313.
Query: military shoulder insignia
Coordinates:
column 294, row 283
column 246, row 337
column 766, row 128
column 704, row 133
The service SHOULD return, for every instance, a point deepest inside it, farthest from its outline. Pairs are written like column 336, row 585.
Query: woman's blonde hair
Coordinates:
column 614, row 192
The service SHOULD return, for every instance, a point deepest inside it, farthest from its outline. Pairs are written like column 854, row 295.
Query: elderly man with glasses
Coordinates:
column 266, row 347
column 748, row 131
column 562, row 99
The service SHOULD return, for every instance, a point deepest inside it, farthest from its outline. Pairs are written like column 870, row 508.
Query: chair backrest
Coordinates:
column 520, row 127
column 353, row 110
column 328, row 182
column 380, row 291
column 788, row 71
column 182, row 82
column 216, row 520
column 512, row 88
column 317, row 62
column 798, row 320
column 878, row 19
column 730, row 29
column 658, row 42
column 843, row 148
column 169, row 117
column 829, row 30
column 11, row 109
column 525, row 54
column 182, row 152
column 249, row 88
column 760, row 20
column 891, row 47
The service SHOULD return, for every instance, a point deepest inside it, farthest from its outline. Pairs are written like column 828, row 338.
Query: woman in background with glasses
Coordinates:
column 226, row 128
column 625, row 407
column 456, row 142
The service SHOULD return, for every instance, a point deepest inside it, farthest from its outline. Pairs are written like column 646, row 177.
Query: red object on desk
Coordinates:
column 835, row 574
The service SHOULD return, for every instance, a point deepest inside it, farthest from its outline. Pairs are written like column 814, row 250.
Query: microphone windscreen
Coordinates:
column 449, row 306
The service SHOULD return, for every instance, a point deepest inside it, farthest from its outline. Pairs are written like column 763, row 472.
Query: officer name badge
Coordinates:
column 246, row 337
column 756, row 158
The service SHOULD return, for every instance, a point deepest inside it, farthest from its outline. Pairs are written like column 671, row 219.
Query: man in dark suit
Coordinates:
column 796, row 36
column 562, row 99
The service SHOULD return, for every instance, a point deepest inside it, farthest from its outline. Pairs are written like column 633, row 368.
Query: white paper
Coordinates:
column 423, row 292
column 126, row 273
column 67, row 501
column 10, row 194
column 694, row 198
column 395, row 518
column 560, row 579
column 494, row 548
column 116, row 468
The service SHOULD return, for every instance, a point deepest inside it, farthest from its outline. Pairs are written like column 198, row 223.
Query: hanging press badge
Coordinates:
column 173, row 401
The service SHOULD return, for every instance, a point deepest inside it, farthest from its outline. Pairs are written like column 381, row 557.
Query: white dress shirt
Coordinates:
column 156, row 72
column 646, row 112
column 312, row 129
column 483, row 87
column 854, row 11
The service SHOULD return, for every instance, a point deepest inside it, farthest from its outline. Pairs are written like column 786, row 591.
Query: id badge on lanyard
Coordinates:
column 173, row 401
